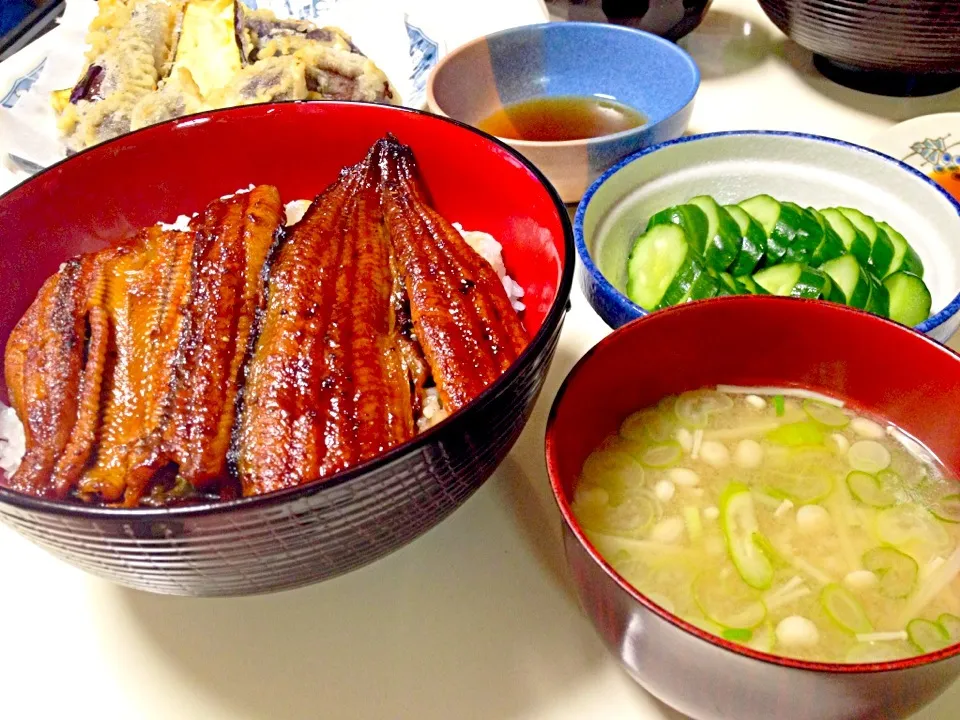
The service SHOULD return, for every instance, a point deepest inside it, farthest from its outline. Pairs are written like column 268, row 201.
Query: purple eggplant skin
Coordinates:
column 89, row 86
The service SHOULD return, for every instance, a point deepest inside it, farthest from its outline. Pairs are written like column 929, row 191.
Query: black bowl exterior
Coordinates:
column 671, row 19
column 294, row 538
column 904, row 36
column 707, row 682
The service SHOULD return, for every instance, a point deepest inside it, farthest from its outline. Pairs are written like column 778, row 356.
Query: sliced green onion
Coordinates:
column 825, row 414
column 843, row 609
column 897, row 572
column 947, row 508
column 869, row 490
column 950, row 623
column 868, row 456
column 738, row 521
column 796, row 434
column 779, row 405
column 727, row 600
column 663, row 455
column 739, row 635
column 928, row 636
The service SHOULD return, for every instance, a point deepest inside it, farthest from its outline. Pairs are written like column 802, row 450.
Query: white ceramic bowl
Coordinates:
column 732, row 166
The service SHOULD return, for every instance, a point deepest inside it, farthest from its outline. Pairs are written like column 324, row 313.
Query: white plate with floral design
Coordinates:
column 930, row 143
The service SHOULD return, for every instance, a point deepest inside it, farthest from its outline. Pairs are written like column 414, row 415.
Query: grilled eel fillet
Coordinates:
column 169, row 318
column 328, row 387
column 461, row 314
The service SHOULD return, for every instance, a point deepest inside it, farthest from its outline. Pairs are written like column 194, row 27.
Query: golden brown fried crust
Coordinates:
column 462, row 317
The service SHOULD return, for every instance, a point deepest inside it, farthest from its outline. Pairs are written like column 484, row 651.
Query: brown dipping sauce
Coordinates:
column 563, row 117
column 949, row 180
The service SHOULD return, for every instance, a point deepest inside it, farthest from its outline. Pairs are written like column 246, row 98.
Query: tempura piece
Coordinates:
column 132, row 53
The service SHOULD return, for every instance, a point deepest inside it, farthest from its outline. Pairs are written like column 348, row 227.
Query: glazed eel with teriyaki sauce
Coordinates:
column 240, row 357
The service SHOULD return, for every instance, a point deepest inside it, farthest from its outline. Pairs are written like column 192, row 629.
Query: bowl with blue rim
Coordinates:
column 636, row 81
column 770, row 212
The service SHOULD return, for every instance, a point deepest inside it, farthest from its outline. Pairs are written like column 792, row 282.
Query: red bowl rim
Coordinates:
column 452, row 426
column 552, row 442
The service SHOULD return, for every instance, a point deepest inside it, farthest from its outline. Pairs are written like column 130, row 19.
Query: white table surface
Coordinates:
column 477, row 619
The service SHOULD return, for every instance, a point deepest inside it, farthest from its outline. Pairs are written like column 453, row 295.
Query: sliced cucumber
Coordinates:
column 738, row 522
column 947, row 508
column 928, row 636
column 850, row 278
column 881, row 247
column 659, row 255
column 831, row 246
column 751, row 285
column 706, row 286
column 853, row 240
column 680, row 289
column 844, row 609
column 795, row 280
column 825, row 414
column 753, row 241
column 812, row 284
column 867, row 489
column 909, row 298
column 897, row 572
column 779, row 279
column 688, row 217
column 879, row 301
column 904, row 256
column 723, row 234
column 778, row 223
column 807, row 236
column 730, row 282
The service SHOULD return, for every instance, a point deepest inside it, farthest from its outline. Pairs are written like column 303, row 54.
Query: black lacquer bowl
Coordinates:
column 322, row 529
column 894, row 47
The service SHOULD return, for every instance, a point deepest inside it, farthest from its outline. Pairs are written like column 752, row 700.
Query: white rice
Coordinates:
column 294, row 210
column 12, row 440
column 181, row 224
column 487, row 247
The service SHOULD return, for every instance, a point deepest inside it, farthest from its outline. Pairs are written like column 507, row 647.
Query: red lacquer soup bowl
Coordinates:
column 875, row 365
column 320, row 529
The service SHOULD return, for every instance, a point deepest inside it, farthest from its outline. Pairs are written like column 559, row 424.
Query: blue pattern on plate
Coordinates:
column 424, row 52
column 21, row 85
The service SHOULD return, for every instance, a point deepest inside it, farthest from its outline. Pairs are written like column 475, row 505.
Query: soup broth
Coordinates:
column 787, row 524
column 550, row 119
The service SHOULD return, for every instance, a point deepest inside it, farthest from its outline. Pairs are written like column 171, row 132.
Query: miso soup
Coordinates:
column 782, row 521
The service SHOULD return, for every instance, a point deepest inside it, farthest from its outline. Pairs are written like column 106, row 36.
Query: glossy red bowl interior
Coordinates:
column 873, row 364
column 320, row 529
